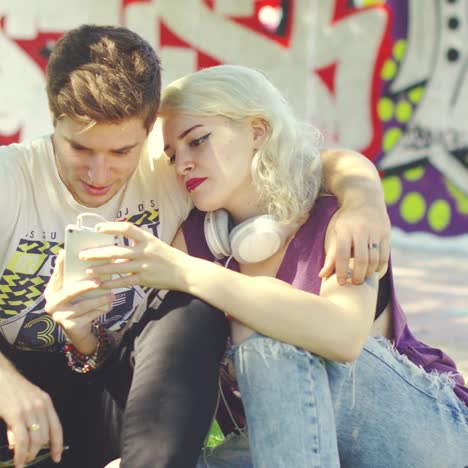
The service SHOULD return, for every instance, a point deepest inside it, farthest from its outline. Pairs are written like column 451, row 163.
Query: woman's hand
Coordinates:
column 362, row 229
column 75, row 316
column 147, row 261
column 362, row 232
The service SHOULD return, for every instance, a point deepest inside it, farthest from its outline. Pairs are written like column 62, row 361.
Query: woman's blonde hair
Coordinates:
column 286, row 170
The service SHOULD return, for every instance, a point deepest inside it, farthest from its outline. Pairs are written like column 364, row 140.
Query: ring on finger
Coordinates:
column 373, row 245
column 34, row 427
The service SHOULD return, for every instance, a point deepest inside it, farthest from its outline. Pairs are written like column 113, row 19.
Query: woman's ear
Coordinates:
column 260, row 131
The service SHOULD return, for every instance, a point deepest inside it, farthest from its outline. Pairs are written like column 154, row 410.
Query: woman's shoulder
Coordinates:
column 194, row 235
column 323, row 210
column 326, row 201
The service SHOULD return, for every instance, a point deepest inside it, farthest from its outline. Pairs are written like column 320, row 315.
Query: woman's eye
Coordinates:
column 78, row 148
column 200, row 140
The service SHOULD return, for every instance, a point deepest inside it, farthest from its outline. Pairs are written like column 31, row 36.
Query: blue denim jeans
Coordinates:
column 306, row 411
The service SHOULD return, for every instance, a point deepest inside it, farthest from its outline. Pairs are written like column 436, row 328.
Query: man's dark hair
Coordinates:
column 103, row 74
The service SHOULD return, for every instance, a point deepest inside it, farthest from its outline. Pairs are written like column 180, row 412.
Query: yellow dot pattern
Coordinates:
column 415, row 173
column 403, row 111
column 391, row 137
column 461, row 199
column 398, row 111
column 389, row 70
column 413, row 207
column 385, row 109
column 392, row 189
column 416, row 94
column 399, row 49
column 439, row 215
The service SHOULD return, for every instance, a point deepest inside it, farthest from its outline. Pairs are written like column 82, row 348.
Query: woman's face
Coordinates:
column 212, row 158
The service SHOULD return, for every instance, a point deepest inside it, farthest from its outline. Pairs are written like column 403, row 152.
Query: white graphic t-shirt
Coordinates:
column 35, row 207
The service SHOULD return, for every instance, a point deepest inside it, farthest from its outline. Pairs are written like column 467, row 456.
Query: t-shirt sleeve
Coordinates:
column 174, row 202
column 12, row 189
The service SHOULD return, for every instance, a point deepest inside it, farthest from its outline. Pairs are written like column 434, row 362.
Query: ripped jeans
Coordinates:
column 306, row 411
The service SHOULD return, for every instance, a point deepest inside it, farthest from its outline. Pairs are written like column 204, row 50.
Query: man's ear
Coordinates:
column 260, row 131
column 52, row 118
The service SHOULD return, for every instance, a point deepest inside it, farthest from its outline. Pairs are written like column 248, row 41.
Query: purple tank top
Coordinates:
column 300, row 267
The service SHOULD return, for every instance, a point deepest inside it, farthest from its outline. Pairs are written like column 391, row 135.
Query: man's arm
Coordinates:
column 362, row 228
column 23, row 405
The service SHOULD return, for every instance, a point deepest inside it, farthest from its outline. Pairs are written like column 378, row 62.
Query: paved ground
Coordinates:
column 432, row 286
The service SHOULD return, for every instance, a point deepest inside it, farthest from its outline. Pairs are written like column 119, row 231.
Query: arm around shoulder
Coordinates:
column 362, row 220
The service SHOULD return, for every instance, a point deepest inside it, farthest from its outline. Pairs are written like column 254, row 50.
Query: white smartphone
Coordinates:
column 78, row 238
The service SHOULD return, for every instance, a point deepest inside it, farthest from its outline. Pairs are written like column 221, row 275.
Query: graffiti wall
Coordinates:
column 387, row 78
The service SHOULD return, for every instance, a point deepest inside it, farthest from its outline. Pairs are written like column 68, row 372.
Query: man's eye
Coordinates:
column 78, row 148
column 122, row 153
column 200, row 140
column 171, row 160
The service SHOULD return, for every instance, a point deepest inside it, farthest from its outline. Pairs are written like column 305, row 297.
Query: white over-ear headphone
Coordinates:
column 251, row 241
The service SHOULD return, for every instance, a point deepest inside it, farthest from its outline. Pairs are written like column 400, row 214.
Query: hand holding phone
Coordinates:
column 77, row 238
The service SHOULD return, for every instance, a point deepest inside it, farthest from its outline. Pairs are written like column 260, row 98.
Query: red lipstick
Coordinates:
column 192, row 184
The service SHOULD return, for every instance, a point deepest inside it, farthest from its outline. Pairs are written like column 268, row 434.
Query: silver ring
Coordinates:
column 373, row 245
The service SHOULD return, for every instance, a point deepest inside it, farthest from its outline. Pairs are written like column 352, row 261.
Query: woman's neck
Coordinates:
column 244, row 206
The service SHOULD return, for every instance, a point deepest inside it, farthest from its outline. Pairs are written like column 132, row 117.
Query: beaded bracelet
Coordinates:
column 83, row 363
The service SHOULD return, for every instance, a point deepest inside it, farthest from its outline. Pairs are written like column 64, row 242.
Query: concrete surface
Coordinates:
column 432, row 286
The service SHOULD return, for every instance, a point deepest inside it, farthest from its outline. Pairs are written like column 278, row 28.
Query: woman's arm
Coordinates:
column 334, row 325
column 362, row 218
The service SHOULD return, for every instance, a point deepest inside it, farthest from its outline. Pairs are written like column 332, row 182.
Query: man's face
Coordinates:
column 96, row 163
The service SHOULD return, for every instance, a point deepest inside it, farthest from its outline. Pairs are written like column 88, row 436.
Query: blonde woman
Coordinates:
column 329, row 375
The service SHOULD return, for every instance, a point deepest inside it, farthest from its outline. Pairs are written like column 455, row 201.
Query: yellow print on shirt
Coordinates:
column 45, row 333
column 23, row 320
column 26, row 275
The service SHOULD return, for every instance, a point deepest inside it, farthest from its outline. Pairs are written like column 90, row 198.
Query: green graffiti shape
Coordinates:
column 392, row 189
column 461, row 199
column 439, row 215
column 385, row 109
column 389, row 70
column 416, row 94
column 415, row 173
column 391, row 137
column 413, row 207
column 399, row 49
column 403, row 111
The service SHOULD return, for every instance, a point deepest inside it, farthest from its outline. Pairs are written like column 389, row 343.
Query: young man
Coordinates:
column 103, row 85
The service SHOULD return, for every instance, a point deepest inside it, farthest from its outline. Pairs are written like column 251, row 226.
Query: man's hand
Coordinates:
column 29, row 415
column 361, row 232
column 73, row 315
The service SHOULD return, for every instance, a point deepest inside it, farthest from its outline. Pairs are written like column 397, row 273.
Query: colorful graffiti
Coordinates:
column 387, row 78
